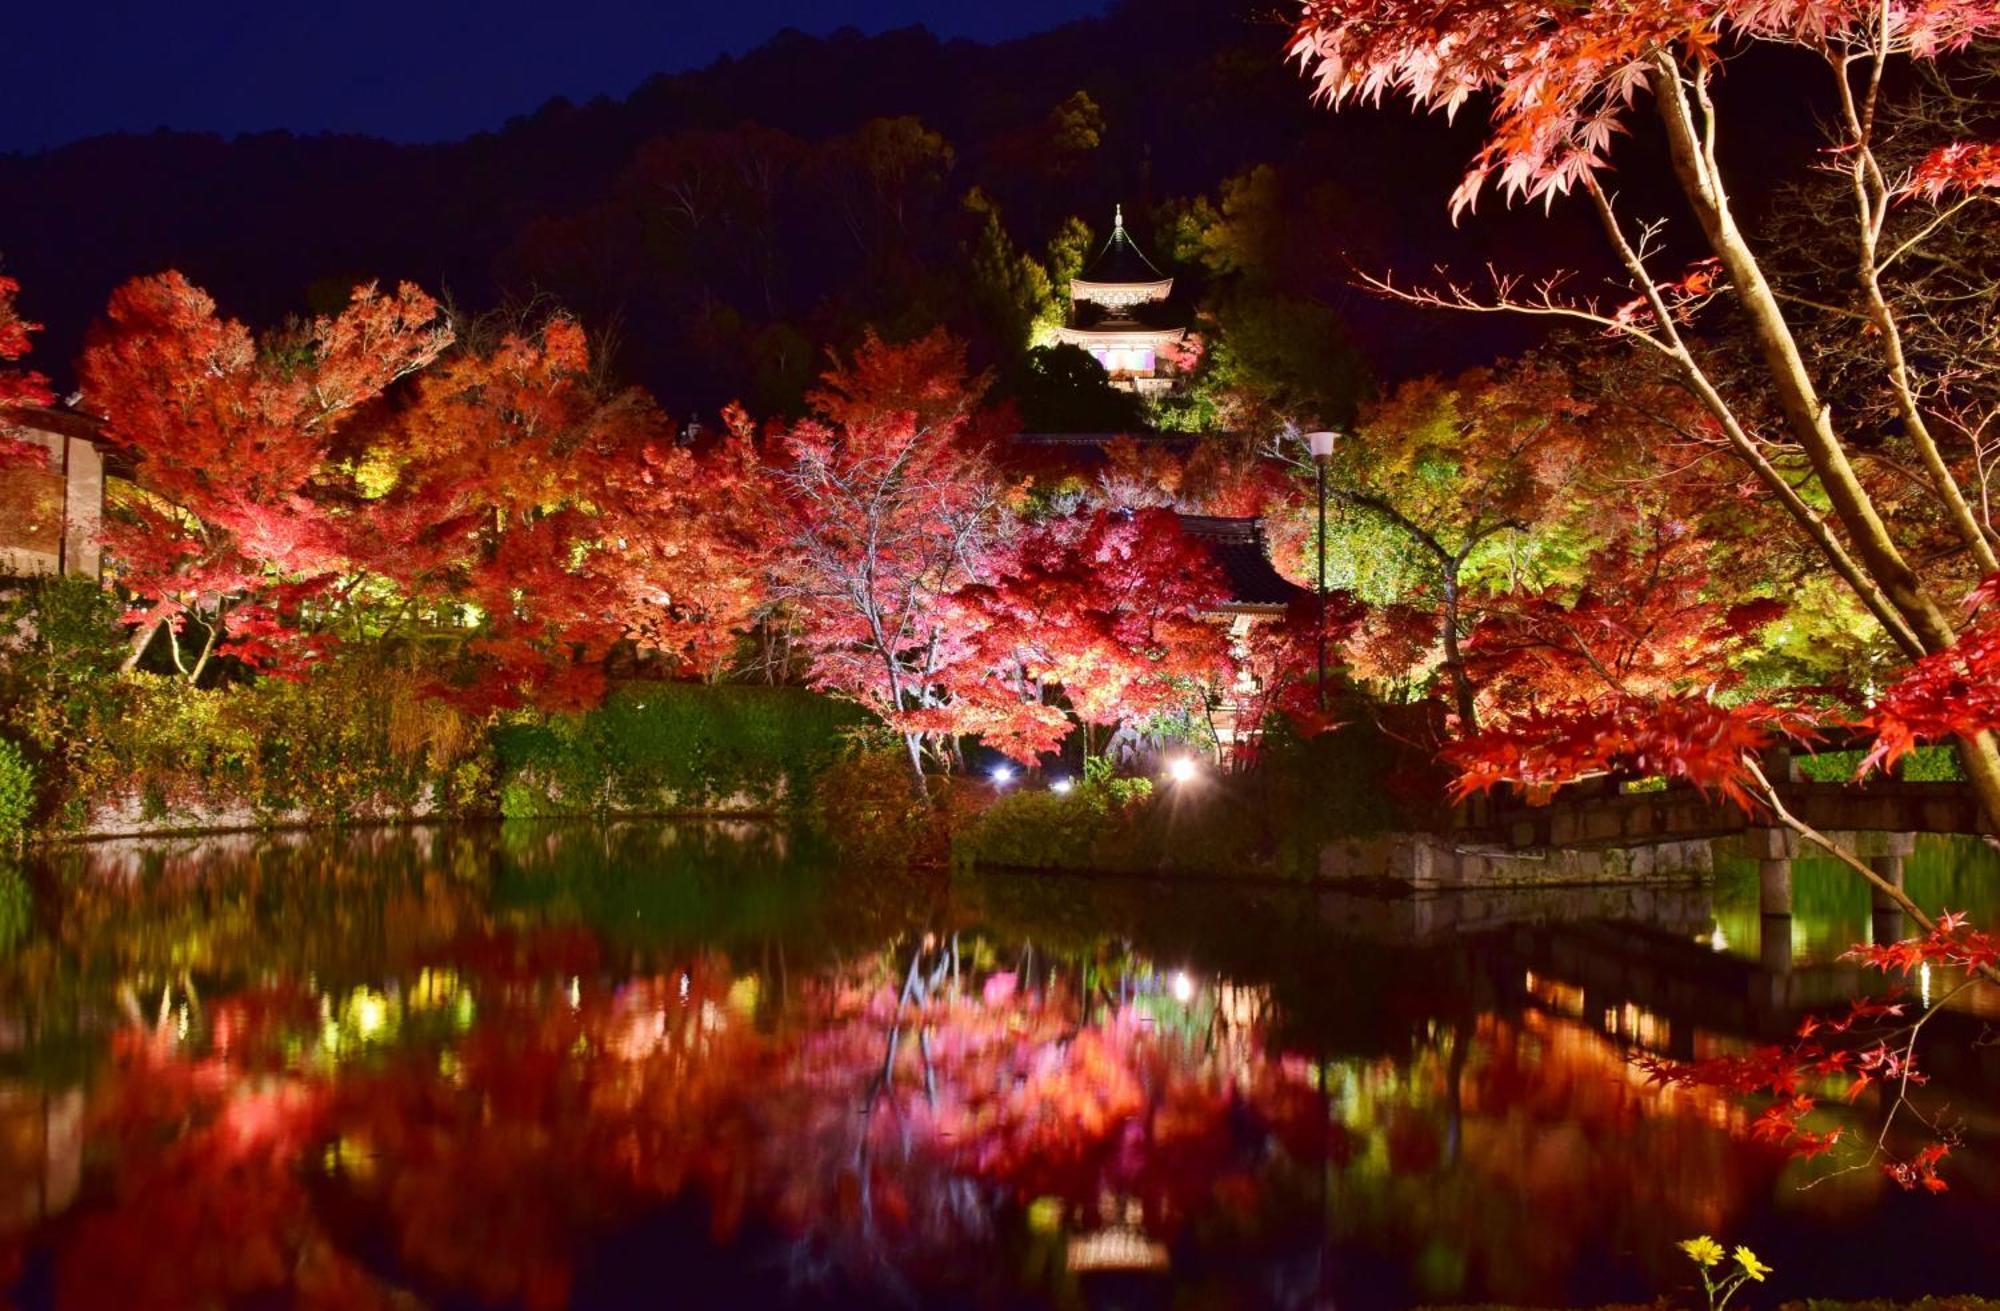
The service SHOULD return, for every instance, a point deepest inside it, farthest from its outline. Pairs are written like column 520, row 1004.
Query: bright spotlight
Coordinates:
column 1181, row 769
column 1003, row 774
column 1183, row 987
column 1060, row 786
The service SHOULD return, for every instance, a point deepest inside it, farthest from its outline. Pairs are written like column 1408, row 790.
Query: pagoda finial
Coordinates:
column 1117, row 217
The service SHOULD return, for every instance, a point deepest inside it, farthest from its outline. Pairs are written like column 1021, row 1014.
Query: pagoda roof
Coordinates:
column 1121, row 275
column 1121, row 260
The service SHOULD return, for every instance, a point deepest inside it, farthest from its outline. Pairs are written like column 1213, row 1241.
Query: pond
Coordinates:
column 701, row 1065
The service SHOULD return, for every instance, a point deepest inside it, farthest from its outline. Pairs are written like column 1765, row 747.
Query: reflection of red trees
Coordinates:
column 257, row 1155
column 1503, row 1147
column 208, row 1203
column 483, row 1147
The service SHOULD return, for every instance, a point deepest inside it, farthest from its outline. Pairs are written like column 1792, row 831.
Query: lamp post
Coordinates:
column 1321, row 446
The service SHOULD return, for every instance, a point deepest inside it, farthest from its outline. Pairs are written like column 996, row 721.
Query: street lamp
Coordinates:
column 1321, row 446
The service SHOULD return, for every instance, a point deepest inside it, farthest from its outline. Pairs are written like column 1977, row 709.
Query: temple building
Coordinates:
column 1113, row 309
column 51, row 507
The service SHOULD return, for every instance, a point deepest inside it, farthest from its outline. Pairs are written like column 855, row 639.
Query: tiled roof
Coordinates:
column 1237, row 547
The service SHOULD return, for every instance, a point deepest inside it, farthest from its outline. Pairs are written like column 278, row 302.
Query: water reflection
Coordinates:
column 544, row 1066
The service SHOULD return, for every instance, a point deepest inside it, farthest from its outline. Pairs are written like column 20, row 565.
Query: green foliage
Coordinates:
column 363, row 738
column 1931, row 764
column 1062, row 389
column 1271, row 821
column 660, row 747
column 1269, row 298
column 1069, row 249
column 1364, row 555
column 1339, row 784
column 865, row 804
column 336, row 746
column 1010, row 288
column 1093, row 826
column 1076, row 126
column 65, row 625
column 1825, row 638
column 62, row 643
column 358, row 739
column 17, row 794
column 1198, row 404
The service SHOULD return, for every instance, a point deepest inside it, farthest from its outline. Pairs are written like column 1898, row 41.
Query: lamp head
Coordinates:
column 1320, row 444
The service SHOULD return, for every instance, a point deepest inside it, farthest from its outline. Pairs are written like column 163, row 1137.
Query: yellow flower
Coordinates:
column 1703, row 1251
column 1751, row 1265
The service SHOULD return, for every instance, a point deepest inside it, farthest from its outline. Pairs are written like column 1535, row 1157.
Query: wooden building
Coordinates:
column 51, row 507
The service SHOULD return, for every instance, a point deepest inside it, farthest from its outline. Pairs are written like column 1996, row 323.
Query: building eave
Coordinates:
column 1115, row 294
column 1119, row 336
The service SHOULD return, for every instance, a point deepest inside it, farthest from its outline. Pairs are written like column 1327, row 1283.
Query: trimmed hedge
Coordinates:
column 1931, row 764
column 17, row 794
column 145, row 749
column 1097, row 825
column 365, row 741
column 661, row 747
column 1271, row 821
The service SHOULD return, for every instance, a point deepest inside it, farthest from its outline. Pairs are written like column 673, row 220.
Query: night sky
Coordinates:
column 408, row 70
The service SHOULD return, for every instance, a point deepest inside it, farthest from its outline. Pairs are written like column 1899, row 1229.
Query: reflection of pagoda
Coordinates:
column 1106, row 309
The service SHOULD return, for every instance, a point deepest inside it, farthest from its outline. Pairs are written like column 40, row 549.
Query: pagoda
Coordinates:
column 1109, row 315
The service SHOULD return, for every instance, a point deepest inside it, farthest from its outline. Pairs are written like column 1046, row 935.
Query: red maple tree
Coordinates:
column 1562, row 86
column 1092, row 620
column 229, row 436
column 516, row 519
column 885, row 506
column 1648, row 620
column 17, row 386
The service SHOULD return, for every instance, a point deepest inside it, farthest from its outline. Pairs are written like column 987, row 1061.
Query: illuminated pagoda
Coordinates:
column 1107, row 314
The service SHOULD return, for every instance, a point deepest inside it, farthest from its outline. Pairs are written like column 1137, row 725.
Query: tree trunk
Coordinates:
column 207, row 650
column 1981, row 757
column 1808, row 419
column 913, row 743
column 1454, row 659
column 142, row 637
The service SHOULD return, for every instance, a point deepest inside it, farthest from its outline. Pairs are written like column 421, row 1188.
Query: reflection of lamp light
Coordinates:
column 1060, row 786
column 1183, row 987
column 1120, row 1247
column 1182, row 769
column 370, row 1013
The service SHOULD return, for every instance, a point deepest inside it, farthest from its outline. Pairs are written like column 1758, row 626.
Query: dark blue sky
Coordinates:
column 411, row 70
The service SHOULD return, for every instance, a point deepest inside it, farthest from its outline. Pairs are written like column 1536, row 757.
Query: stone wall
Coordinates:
column 1429, row 860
